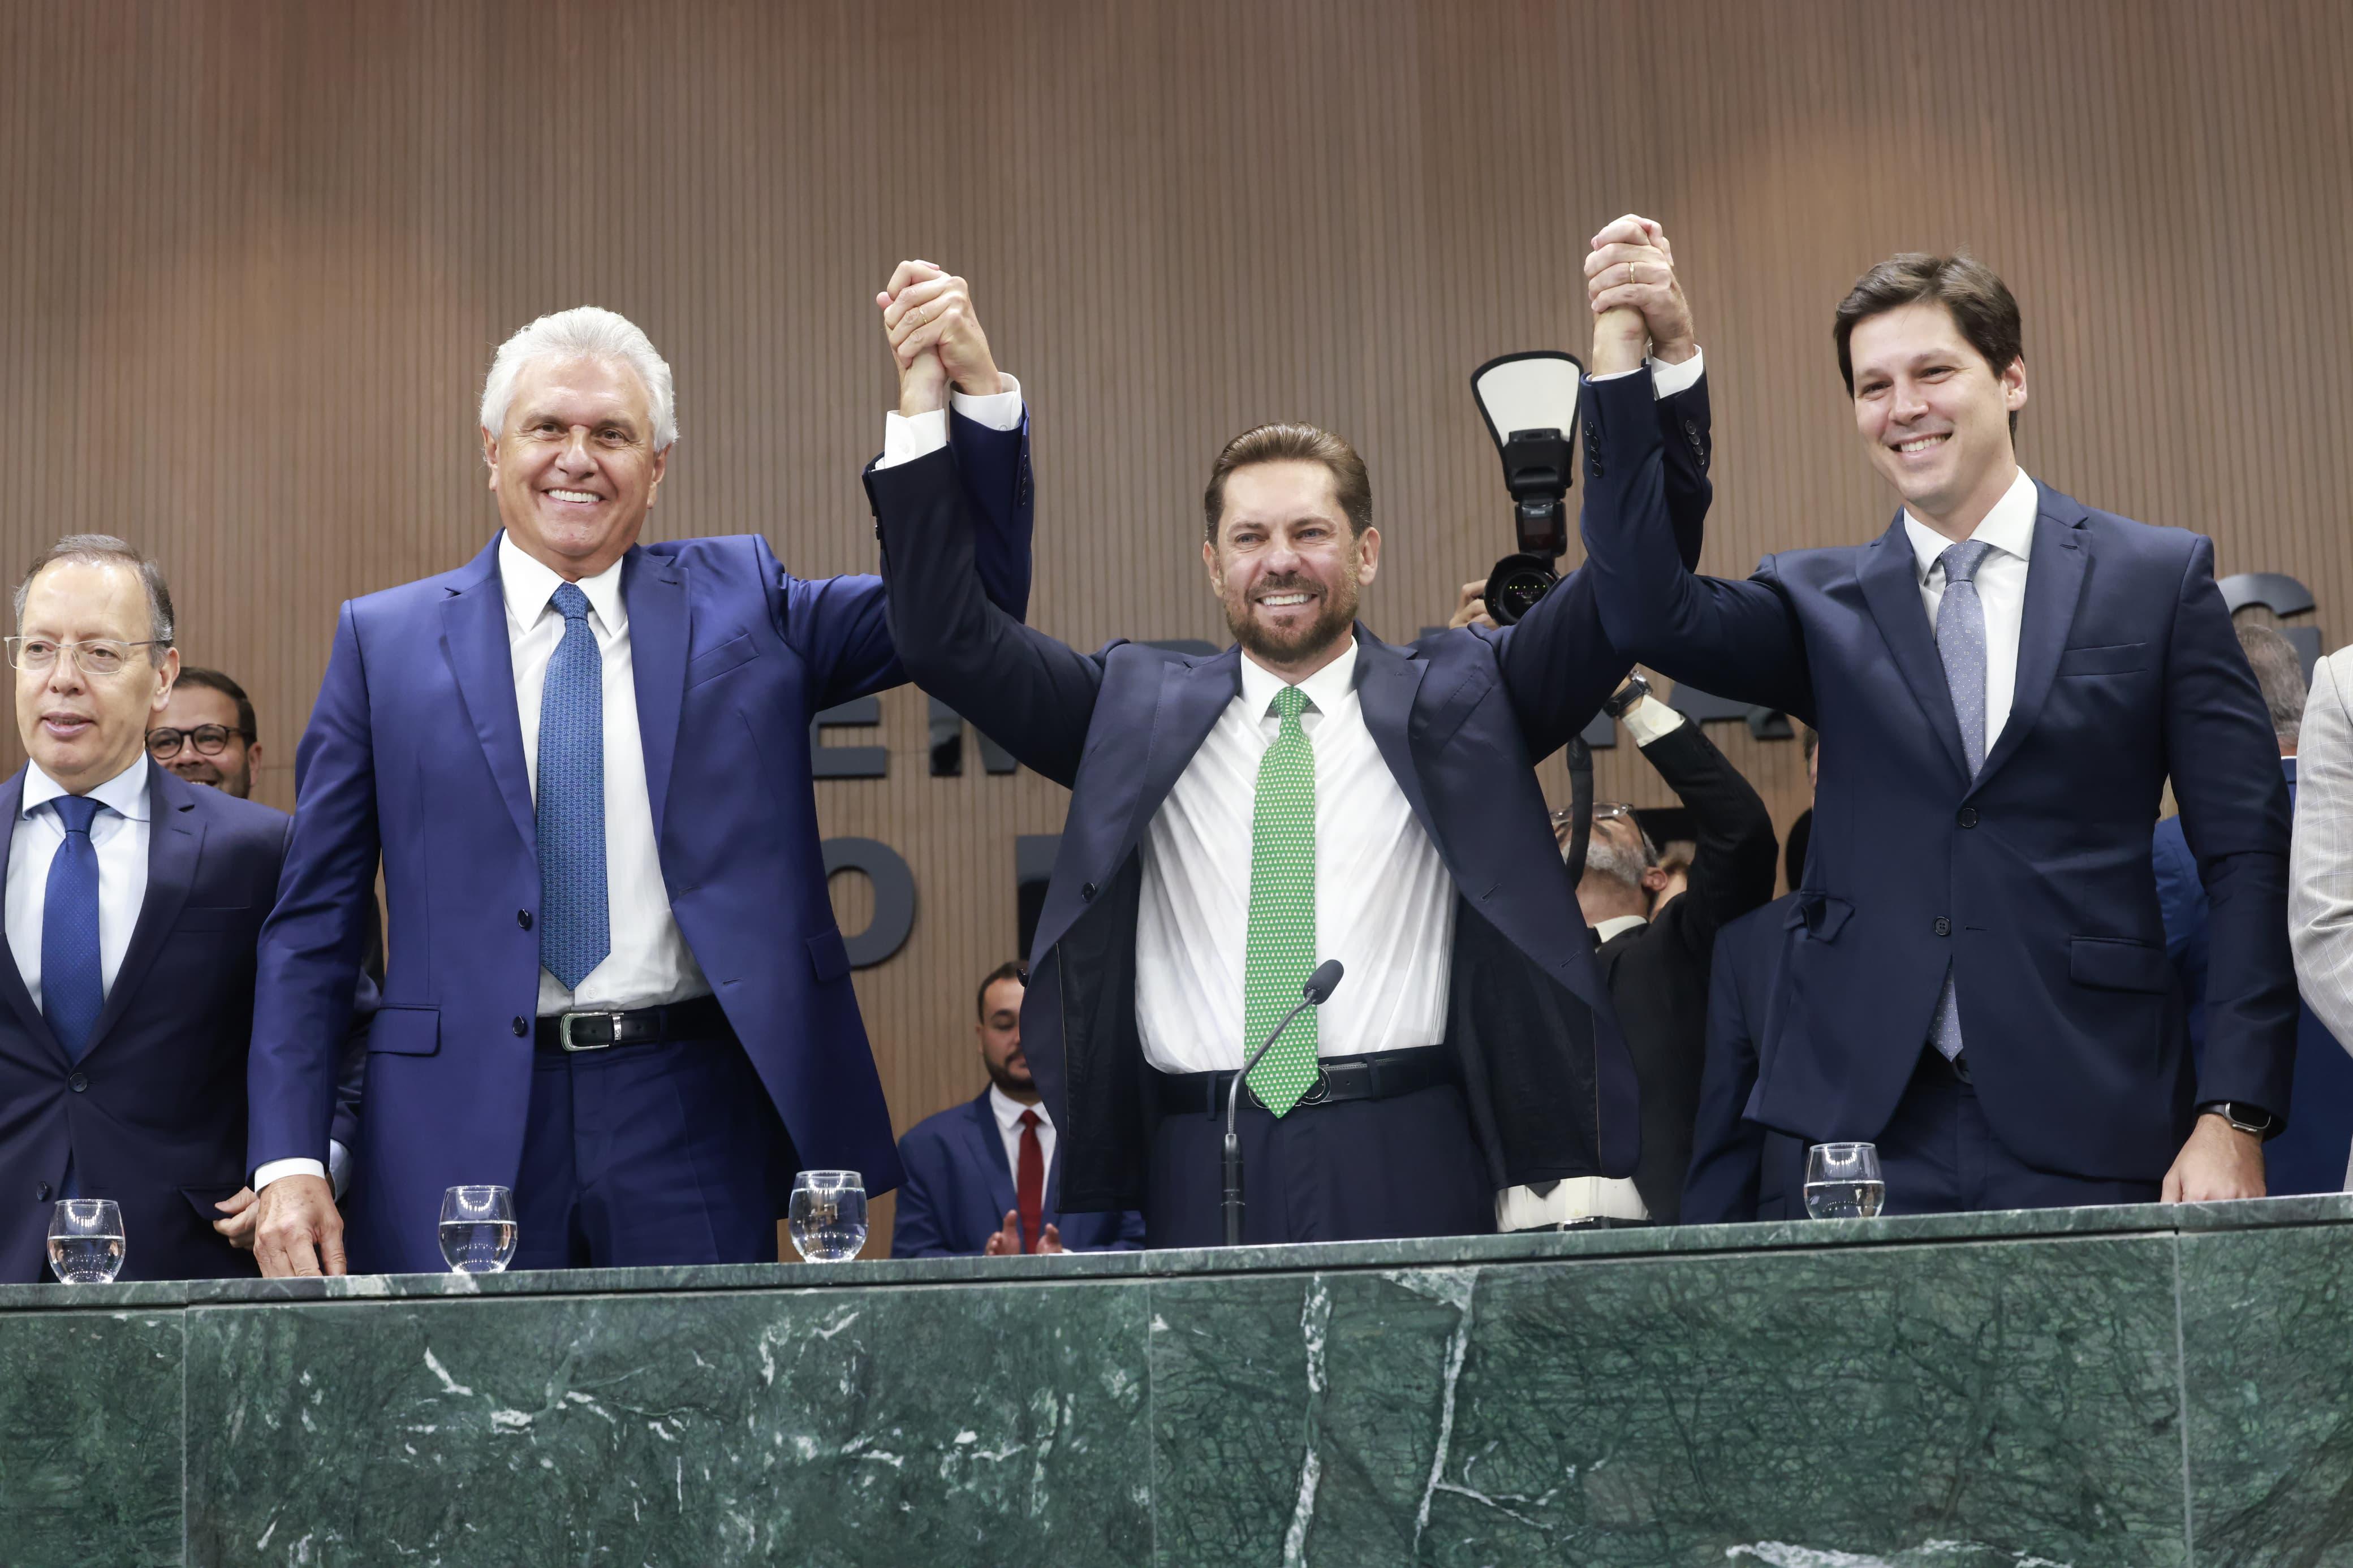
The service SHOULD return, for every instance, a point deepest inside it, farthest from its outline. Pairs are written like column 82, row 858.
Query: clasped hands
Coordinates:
column 935, row 338
column 1637, row 301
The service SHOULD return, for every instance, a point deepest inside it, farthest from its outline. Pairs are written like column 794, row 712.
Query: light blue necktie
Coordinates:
column 1962, row 643
column 575, row 932
column 73, row 988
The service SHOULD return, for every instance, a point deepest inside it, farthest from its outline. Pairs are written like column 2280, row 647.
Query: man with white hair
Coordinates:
column 614, row 982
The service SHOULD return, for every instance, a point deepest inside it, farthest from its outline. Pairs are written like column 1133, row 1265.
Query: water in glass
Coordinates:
column 1843, row 1181
column 478, row 1230
column 827, row 1215
column 85, row 1241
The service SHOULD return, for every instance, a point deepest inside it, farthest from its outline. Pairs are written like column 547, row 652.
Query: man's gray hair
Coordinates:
column 2279, row 670
column 585, row 332
column 105, row 550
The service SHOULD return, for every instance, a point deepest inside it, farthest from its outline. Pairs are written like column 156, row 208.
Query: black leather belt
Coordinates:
column 701, row 1018
column 1376, row 1075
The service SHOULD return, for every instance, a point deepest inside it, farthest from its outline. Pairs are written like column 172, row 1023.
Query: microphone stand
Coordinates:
column 1233, row 1162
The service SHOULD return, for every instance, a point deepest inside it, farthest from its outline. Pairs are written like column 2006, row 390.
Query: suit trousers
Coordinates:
column 1352, row 1170
column 1940, row 1156
column 651, row 1154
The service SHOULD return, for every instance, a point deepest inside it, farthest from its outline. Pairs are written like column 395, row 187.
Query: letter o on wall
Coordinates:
column 895, row 896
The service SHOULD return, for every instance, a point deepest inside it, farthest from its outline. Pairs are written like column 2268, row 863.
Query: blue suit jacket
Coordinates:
column 1739, row 1170
column 157, row 1122
column 2310, row 1156
column 2031, row 881
column 1460, row 717
column 413, row 753
column 959, row 1189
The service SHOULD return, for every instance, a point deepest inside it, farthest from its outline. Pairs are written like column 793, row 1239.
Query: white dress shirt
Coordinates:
column 648, row 963
column 119, row 834
column 1383, row 903
column 1008, row 1128
column 2009, row 527
column 1666, row 380
column 906, row 436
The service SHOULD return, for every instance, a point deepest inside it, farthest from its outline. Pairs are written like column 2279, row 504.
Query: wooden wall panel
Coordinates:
column 254, row 255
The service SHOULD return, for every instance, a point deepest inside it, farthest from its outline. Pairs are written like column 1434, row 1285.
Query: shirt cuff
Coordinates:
column 1666, row 380
column 276, row 1168
column 1584, row 1197
column 1650, row 719
column 907, row 436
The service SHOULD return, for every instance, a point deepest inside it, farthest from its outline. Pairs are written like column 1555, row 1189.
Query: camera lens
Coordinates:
column 1515, row 586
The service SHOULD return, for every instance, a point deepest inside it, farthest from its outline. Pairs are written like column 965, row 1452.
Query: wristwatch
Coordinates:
column 1626, row 696
column 2244, row 1117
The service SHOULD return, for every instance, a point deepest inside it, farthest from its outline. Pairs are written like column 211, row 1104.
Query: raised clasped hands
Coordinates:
column 1638, row 302
column 935, row 338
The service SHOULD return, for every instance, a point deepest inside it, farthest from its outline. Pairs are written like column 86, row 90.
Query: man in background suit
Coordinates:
column 994, row 1157
column 1309, row 793
column 207, row 734
column 1739, row 1170
column 133, row 904
column 2004, row 682
column 584, row 764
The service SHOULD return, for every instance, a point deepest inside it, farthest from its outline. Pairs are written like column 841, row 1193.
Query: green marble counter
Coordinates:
column 2141, row 1387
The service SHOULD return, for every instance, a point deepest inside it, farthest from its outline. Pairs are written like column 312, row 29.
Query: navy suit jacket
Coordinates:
column 2032, row 881
column 1460, row 717
column 1739, row 1170
column 153, row 1114
column 2311, row 1154
column 959, row 1189
column 415, row 754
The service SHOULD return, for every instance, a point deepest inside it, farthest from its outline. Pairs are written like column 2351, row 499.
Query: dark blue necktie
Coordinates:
column 73, row 989
column 575, row 933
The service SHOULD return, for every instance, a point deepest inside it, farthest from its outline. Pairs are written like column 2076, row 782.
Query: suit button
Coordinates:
column 1086, row 892
column 1967, row 818
column 1944, row 926
column 1691, row 428
column 521, row 1029
column 78, row 1083
column 41, row 1192
column 523, row 919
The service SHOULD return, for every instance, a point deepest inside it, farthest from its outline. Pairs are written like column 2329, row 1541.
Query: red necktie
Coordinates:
column 1029, row 1183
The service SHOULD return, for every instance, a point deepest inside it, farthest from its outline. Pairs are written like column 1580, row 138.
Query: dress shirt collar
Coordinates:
column 1616, row 924
column 529, row 585
column 1009, row 1110
column 1327, row 689
column 2009, row 527
column 126, row 794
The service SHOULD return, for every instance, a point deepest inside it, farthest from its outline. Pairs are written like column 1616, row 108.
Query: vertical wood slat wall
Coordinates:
column 255, row 254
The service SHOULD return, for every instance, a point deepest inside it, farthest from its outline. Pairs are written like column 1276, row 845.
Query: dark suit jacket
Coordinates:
column 414, row 753
column 1658, row 973
column 1739, row 1170
column 2030, row 882
column 959, row 1189
column 153, row 1114
column 1460, row 717
column 2311, row 1154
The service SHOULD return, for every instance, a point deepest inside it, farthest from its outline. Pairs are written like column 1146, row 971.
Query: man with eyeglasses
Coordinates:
column 205, row 733
column 1656, row 963
column 134, row 908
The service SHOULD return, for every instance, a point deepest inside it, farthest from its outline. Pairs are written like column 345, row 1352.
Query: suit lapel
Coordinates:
column 1388, row 680
column 988, row 1148
column 474, row 637
column 1192, row 697
column 12, row 977
column 176, row 841
column 655, row 592
column 2054, row 584
column 1890, row 586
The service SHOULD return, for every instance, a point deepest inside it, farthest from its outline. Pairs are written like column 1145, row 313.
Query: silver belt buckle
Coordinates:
column 1320, row 1091
column 564, row 1031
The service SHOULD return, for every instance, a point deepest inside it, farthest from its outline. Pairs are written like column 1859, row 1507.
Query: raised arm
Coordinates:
column 1733, row 868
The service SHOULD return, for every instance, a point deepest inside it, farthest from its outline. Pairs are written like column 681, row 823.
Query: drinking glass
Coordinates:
column 86, row 1240
column 478, row 1230
column 828, row 1214
column 1842, row 1181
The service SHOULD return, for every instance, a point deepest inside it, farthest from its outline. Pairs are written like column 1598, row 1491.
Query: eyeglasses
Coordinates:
column 102, row 656
column 209, row 740
column 1603, row 811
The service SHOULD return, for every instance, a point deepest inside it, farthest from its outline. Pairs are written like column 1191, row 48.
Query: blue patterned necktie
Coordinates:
column 575, row 931
column 1962, row 643
column 73, row 988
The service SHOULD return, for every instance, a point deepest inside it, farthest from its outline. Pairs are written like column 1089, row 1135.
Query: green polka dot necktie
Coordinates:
column 1281, row 953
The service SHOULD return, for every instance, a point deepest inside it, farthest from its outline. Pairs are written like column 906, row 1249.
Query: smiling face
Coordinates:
column 1933, row 416
column 191, row 708
column 1286, row 566
column 81, row 729
column 575, row 469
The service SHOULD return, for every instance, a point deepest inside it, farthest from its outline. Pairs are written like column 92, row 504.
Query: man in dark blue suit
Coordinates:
column 616, row 984
column 981, row 1176
column 1741, row 1171
column 133, row 904
column 2004, row 682
column 1311, row 793
column 2312, row 1154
